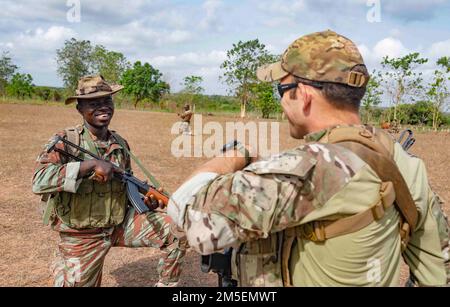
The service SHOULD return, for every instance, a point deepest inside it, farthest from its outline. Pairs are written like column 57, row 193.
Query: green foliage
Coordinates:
column 80, row 58
column 43, row 92
column 144, row 81
column 56, row 95
column 401, row 79
column 372, row 97
column 193, row 85
column 21, row 86
column 74, row 61
column 110, row 64
column 240, row 68
column 192, row 89
column 7, row 69
column 438, row 89
column 265, row 100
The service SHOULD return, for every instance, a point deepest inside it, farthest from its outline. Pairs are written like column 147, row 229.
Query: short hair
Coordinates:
column 341, row 96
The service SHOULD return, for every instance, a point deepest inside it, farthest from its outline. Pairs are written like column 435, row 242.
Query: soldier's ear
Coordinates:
column 79, row 108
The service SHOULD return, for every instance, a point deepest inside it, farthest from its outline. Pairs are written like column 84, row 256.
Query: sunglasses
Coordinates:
column 283, row 88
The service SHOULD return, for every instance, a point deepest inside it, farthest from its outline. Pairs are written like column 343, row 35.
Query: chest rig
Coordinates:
column 94, row 205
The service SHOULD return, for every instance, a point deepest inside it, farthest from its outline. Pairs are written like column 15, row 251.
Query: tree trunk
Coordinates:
column 243, row 109
column 435, row 117
column 136, row 101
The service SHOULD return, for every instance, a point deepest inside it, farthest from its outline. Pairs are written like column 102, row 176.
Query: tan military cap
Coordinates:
column 90, row 87
column 321, row 56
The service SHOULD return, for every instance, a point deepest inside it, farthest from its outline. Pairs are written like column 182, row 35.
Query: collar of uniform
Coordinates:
column 111, row 139
column 315, row 136
column 319, row 135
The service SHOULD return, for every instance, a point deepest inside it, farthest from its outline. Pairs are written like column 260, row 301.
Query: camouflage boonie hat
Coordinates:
column 90, row 87
column 321, row 56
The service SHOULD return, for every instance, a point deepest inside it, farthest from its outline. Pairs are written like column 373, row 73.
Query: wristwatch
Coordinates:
column 241, row 148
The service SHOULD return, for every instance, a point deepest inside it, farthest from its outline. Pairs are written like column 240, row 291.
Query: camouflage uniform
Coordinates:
column 287, row 197
column 92, row 217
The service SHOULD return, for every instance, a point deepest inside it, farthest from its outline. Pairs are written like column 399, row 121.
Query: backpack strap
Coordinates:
column 387, row 170
column 375, row 148
column 72, row 134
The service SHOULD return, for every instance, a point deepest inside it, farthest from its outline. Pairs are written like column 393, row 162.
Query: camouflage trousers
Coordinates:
column 81, row 253
column 185, row 128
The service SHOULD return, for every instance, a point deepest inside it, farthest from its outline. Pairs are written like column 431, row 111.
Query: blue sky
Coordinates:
column 181, row 37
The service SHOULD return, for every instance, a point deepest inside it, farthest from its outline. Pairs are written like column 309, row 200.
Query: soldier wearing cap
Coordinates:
column 89, row 209
column 340, row 210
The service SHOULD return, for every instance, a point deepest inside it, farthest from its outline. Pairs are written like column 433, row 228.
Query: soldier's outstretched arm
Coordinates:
column 218, row 211
column 51, row 175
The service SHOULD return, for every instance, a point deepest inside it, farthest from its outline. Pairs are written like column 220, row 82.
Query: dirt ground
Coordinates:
column 27, row 247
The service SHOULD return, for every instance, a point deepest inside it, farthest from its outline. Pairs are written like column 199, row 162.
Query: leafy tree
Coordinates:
column 192, row 89
column 43, row 92
column 21, row 86
column 439, row 91
column 110, row 64
column 240, row 68
column 144, row 81
column 264, row 99
column 372, row 98
column 56, row 95
column 193, row 85
column 74, row 61
column 401, row 80
column 7, row 69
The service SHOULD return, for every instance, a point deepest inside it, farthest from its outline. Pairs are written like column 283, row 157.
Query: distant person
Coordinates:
column 87, row 207
column 186, row 117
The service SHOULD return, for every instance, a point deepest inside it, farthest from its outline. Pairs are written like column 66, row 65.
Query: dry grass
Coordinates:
column 27, row 246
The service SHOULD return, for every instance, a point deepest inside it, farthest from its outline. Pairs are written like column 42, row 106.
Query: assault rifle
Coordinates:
column 221, row 265
column 135, row 187
column 409, row 141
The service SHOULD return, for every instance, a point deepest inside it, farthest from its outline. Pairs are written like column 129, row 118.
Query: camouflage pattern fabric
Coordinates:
column 51, row 175
column 322, row 56
column 81, row 253
column 185, row 129
column 422, row 254
column 314, row 182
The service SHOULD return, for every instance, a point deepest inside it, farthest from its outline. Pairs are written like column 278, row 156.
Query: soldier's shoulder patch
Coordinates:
column 296, row 162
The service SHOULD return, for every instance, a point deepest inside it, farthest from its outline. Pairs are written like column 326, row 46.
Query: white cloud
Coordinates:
column 281, row 7
column 137, row 34
column 40, row 39
column 440, row 49
column 389, row 46
column 212, row 58
column 210, row 21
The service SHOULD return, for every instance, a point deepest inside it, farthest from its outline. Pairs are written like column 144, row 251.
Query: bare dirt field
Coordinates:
column 27, row 247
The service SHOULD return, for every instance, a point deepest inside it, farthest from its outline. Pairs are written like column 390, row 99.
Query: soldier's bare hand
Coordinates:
column 103, row 171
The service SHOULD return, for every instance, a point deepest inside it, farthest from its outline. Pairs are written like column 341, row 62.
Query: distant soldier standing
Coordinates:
column 341, row 210
column 186, row 117
column 87, row 207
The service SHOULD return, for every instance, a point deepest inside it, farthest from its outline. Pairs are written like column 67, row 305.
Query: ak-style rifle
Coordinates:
column 135, row 187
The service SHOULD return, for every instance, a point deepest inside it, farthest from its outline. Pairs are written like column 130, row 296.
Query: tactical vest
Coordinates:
column 265, row 262
column 94, row 205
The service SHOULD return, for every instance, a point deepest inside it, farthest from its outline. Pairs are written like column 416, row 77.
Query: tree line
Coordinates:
column 412, row 98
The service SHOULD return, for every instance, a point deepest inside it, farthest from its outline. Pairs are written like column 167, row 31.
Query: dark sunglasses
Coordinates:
column 283, row 88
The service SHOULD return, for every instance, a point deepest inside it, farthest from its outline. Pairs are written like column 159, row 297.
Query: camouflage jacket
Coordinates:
column 309, row 183
column 55, row 173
